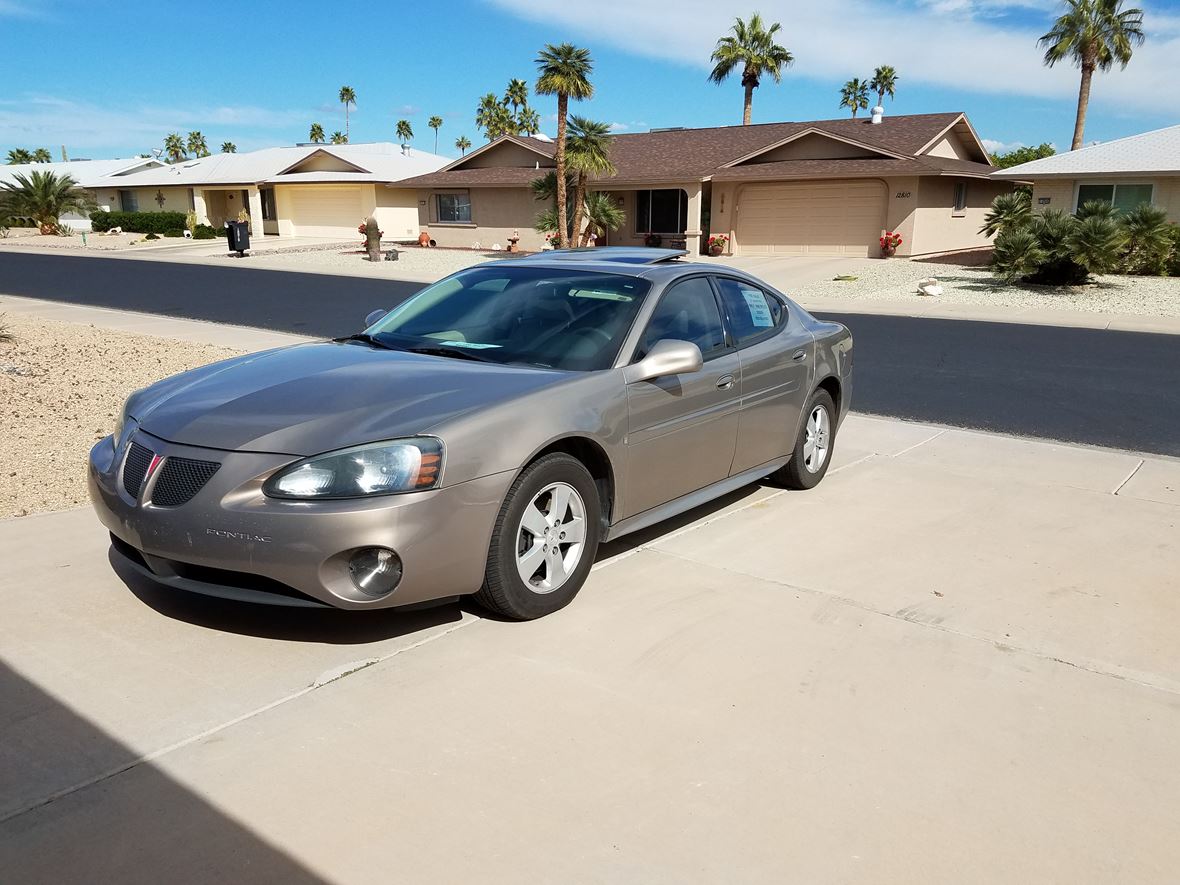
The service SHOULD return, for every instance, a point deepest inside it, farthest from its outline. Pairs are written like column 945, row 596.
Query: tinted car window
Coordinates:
column 751, row 311
column 687, row 312
column 561, row 319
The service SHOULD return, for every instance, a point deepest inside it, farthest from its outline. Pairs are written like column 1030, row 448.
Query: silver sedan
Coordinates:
column 483, row 437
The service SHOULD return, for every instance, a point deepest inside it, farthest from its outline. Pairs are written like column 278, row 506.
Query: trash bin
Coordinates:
column 238, row 235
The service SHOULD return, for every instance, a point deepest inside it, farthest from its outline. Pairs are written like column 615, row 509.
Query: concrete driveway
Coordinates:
column 955, row 661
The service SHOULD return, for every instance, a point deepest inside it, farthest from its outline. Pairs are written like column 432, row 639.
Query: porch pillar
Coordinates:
column 693, row 233
column 199, row 207
column 255, row 211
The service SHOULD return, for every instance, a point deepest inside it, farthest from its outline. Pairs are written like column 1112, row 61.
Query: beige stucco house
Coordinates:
column 305, row 190
column 827, row 187
column 1125, row 172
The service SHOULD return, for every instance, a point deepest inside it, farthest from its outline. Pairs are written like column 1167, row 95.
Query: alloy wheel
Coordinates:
column 818, row 439
column 551, row 537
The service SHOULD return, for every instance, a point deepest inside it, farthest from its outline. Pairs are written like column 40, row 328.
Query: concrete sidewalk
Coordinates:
column 954, row 661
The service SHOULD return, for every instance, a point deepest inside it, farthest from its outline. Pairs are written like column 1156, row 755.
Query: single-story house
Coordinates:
column 1124, row 172
column 825, row 187
column 85, row 172
column 305, row 190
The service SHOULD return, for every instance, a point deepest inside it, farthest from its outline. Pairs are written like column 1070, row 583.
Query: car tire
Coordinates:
column 806, row 468
column 520, row 539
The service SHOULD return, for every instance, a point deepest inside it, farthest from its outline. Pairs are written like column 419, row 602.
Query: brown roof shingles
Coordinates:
column 686, row 154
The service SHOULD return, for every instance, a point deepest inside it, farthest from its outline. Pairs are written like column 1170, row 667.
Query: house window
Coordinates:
column 454, row 208
column 661, row 212
column 960, row 204
column 128, row 202
column 1123, row 197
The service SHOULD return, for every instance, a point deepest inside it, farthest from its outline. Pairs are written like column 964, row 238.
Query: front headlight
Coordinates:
column 403, row 465
column 121, row 421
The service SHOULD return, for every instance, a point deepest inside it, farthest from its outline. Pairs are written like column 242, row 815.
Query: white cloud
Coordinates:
column 957, row 48
column 37, row 120
column 619, row 127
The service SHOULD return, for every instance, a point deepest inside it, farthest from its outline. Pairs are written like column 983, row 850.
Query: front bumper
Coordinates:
column 231, row 540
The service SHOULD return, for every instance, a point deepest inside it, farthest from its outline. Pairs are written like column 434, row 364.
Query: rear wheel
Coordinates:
column 544, row 541
column 814, row 446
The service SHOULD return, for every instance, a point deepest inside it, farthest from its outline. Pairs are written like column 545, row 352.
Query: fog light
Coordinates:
column 375, row 571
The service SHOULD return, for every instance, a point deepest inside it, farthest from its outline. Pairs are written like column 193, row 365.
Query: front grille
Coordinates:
column 139, row 459
column 180, row 479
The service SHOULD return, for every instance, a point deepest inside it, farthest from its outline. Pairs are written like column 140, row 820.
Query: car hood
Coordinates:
column 313, row 398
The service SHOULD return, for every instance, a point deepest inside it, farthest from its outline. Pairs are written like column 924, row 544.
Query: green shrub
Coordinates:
column 175, row 232
column 152, row 237
column 1097, row 209
column 1150, row 240
column 1008, row 210
column 137, row 222
column 204, row 232
column 1055, row 248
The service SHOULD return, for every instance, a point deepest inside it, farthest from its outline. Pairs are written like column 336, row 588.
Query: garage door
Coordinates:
column 327, row 211
column 811, row 218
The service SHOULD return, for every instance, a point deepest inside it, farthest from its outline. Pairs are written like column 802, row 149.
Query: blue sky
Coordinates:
column 127, row 74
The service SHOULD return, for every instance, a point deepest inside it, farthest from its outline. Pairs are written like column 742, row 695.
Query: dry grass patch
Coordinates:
column 61, row 388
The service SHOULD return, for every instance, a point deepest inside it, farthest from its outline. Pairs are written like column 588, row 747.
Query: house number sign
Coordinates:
column 902, row 195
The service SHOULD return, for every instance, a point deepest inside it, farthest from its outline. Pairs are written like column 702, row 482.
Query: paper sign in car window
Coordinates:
column 759, row 309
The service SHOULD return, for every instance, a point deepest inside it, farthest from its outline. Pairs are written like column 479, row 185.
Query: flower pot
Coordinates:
column 716, row 251
column 888, row 251
column 424, row 239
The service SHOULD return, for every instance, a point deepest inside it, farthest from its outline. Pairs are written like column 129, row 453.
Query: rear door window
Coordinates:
column 752, row 313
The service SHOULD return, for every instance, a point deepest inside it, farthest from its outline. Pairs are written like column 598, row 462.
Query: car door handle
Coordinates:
column 725, row 382
column 799, row 355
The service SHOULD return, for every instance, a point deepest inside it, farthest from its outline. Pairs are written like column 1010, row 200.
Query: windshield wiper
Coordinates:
column 437, row 350
column 366, row 338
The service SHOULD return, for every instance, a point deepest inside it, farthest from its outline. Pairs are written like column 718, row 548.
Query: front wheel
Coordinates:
column 813, row 447
column 544, row 541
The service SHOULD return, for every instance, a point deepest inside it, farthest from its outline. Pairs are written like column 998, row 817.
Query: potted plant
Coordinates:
column 717, row 244
column 552, row 240
column 652, row 240
column 889, row 243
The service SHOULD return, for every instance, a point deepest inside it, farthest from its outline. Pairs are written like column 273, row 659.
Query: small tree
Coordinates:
column 339, row 137
column 1148, row 240
column 435, row 123
column 602, row 214
column 348, row 99
column 1017, row 156
column 19, row 157
column 463, row 143
column 316, row 133
column 884, row 83
column 174, row 147
column 44, row 197
column 1007, row 211
column 228, row 147
column 42, row 155
column 196, row 144
column 405, row 132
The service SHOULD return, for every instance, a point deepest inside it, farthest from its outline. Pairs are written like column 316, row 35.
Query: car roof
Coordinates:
column 638, row 255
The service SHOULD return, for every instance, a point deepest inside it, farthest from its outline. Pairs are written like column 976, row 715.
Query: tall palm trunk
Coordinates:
column 346, row 133
column 1079, row 126
column 746, row 111
column 563, row 230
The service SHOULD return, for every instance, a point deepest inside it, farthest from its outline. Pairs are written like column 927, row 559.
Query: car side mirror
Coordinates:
column 667, row 357
column 374, row 316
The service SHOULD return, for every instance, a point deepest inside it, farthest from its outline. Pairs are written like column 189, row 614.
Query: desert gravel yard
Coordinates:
column 61, row 388
column 898, row 279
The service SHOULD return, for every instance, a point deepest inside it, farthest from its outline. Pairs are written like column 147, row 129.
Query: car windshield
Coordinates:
column 505, row 312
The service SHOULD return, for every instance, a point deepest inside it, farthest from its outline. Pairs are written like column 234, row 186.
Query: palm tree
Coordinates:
column 493, row 117
column 752, row 48
column 529, row 121
column 196, row 144
column 1093, row 34
column 174, row 147
column 43, row 197
column 1008, row 212
column 405, row 132
column 316, row 134
column 347, row 98
column 42, row 155
column 602, row 214
column 855, row 95
column 19, row 157
column 228, row 147
column 587, row 153
column 564, row 71
column 339, row 137
column 462, row 143
column 517, row 95
column 884, row 83
column 435, row 123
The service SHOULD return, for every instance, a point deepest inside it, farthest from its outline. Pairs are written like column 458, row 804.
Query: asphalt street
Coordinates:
column 1099, row 387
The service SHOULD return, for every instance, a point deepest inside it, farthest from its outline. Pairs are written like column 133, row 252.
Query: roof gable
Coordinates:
column 812, row 143
column 321, row 160
column 957, row 141
column 507, row 151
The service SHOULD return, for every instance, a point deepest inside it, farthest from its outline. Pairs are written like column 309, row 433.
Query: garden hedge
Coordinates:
column 137, row 222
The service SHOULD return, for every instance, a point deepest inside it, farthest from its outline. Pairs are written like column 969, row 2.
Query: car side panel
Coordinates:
column 775, row 387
